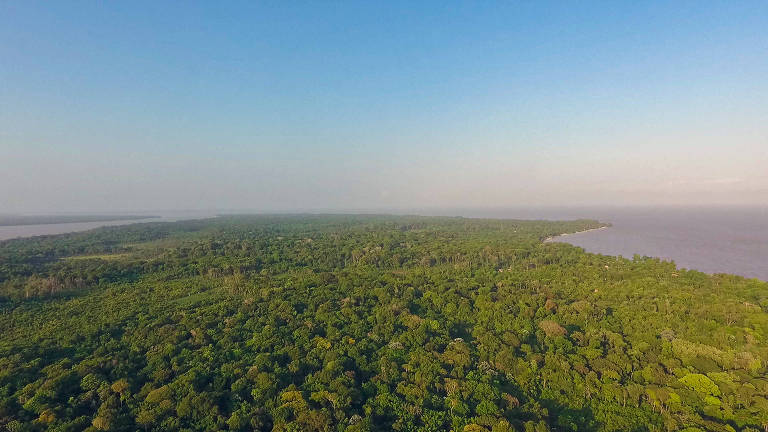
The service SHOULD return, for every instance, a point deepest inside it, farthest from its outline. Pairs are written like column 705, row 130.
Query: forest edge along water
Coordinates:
column 710, row 240
column 43, row 225
column 560, row 236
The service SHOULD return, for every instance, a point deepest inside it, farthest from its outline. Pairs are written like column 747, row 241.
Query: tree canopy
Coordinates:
column 370, row 323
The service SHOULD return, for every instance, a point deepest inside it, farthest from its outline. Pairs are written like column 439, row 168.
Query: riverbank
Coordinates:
column 552, row 238
column 717, row 240
column 22, row 231
column 14, row 220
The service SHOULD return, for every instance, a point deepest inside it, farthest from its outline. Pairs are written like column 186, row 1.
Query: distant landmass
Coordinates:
column 12, row 220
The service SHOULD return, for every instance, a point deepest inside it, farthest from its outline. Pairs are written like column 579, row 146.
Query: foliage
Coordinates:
column 367, row 323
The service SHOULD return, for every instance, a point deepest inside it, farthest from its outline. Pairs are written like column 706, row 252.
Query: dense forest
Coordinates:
column 370, row 323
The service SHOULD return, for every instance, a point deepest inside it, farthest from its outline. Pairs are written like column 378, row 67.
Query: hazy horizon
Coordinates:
column 278, row 108
column 555, row 212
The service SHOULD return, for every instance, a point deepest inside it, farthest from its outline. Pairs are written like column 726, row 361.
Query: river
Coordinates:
column 16, row 231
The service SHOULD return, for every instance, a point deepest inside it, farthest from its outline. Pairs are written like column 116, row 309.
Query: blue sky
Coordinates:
column 349, row 105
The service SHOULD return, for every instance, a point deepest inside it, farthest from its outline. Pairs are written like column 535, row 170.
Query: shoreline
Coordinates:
column 15, row 232
column 21, row 221
column 551, row 239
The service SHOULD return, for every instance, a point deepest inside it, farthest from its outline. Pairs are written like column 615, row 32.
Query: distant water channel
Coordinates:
column 711, row 240
column 16, row 231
